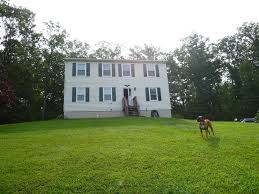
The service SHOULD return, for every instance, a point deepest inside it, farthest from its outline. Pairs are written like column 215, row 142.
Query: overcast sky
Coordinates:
column 162, row 23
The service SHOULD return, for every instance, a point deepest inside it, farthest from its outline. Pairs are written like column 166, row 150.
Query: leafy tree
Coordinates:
column 77, row 49
column 200, row 74
column 51, row 71
column 19, row 55
column 239, row 53
column 106, row 50
column 147, row 52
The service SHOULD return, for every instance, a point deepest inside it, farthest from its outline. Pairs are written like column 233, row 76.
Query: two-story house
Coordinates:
column 109, row 88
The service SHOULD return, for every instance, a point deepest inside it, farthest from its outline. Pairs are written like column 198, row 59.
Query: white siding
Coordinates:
column 94, row 82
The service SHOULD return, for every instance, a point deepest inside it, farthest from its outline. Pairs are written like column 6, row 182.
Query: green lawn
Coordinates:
column 128, row 155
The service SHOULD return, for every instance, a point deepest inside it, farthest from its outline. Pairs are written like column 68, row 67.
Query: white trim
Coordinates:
column 80, row 94
column 104, row 94
column 154, row 68
column 123, row 70
column 150, row 94
column 110, row 70
column 77, row 68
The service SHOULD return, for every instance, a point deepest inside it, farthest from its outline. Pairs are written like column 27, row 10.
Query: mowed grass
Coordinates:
column 128, row 155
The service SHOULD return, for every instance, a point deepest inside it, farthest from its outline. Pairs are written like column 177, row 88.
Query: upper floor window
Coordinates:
column 81, row 69
column 151, row 70
column 126, row 70
column 106, row 69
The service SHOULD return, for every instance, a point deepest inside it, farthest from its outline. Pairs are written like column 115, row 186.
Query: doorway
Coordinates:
column 126, row 92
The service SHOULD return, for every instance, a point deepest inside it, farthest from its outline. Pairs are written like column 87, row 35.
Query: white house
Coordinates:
column 105, row 88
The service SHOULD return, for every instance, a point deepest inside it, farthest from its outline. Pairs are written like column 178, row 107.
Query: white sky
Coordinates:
column 162, row 23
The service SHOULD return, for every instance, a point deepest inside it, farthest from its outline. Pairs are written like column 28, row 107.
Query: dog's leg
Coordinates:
column 211, row 128
column 201, row 133
column 207, row 133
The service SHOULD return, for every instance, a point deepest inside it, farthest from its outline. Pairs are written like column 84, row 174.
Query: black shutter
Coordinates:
column 74, row 69
column 100, row 94
column 132, row 70
column 159, row 94
column 145, row 70
column 87, row 69
column 73, row 94
column 113, row 70
column 87, row 94
column 147, row 94
column 100, row 70
column 119, row 69
column 114, row 94
column 157, row 70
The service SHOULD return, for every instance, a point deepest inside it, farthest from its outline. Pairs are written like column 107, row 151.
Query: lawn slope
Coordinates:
column 128, row 155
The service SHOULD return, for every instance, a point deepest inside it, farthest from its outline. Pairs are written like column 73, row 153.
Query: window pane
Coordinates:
column 80, row 69
column 107, row 97
column 151, row 73
column 151, row 70
column 153, row 95
column 80, row 94
column 126, row 70
column 80, row 97
column 106, row 72
column 106, row 69
column 107, row 93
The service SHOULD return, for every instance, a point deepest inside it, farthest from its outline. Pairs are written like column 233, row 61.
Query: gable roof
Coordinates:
column 115, row 60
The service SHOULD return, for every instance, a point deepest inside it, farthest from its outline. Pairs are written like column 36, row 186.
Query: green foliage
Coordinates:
column 129, row 155
column 147, row 52
column 198, row 74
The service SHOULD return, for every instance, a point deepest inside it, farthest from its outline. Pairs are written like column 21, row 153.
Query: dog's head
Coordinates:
column 199, row 118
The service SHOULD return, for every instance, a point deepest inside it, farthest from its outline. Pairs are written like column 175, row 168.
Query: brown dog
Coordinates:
column 205, row 124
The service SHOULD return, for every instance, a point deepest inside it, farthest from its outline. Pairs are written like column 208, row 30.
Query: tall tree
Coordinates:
column 200, row 73
column 77, row 49
column 106, row 50
column 147, row 52
column 19, row 55
column 51, row 71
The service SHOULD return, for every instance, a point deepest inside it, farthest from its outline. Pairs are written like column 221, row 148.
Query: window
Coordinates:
column 81, row 69
column 106, row 69
column 151, row 70
column 126, row 69
column 153, row 94
column 107, row 94
column 80, row 94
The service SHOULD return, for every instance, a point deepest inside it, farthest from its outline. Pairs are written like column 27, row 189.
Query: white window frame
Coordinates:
column 80, row 94
column 110, row 69
column 150, row 94
column 149, row 67
column 123, row 70
column 104, row 94
column 77, row 69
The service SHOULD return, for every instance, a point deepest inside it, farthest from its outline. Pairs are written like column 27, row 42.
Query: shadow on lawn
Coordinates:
column 213, row 142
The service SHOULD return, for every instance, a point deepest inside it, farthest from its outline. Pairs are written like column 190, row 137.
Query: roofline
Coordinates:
column 114, row 60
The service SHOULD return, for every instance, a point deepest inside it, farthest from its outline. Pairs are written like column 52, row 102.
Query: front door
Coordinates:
column 126, row 92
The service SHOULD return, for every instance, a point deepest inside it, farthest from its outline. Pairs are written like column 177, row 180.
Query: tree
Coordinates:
column 239, row 53
column 51, row 71
column 77, row 49
column 200, row 73
column 106, row 50
column 147, row 52
column 19, row 55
